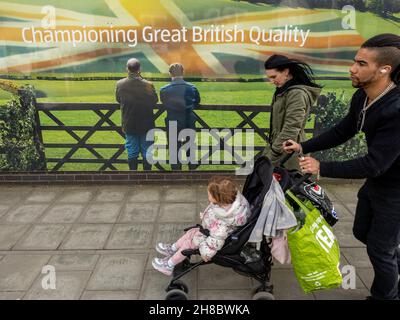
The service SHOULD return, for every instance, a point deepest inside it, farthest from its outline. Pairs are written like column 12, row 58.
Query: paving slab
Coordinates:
column 19, row 271
column 329, row 193
column 26, row 213
column 357, row 257
column 178, row 212
column 63, row 213
column 343, row 231
column 92, row 236
column 12, row 295
column 286, row 286
column 169, row 232
column 343, row 213
column 118, row 272
column 115, row 194
column 43, row 195
column 225, row 294
column 102, row 213
column 10, row 234
column 43, row 237
column 11, row 197
column 154, row 284
column 3, row 209
column 74, row 262
column 77, row 196
column 341, row 294
column 140, row 212
column 132, row 236
column 69, row 286
column 366, row 275
column 110, row 295
column 181, row 194
column 347, row 193
column 146, row 194
column 202, row 194
column 217, row 277
column 125, row 223
column 352, row 207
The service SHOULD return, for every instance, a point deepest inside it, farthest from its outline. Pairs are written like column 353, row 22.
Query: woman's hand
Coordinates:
column 309, row 165
column 290, row 146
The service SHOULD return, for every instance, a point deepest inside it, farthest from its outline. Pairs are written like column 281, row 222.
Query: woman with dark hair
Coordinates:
column 295, row 93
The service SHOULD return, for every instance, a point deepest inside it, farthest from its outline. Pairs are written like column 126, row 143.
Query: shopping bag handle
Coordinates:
column 295, row 199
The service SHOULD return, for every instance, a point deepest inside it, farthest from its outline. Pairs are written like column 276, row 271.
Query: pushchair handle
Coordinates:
column 286, row 158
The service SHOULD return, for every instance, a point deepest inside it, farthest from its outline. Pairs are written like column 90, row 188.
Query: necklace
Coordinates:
column 361, row 118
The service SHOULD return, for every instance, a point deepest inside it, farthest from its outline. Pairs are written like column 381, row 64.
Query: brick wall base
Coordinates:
column 128, row 177
column 111, row 177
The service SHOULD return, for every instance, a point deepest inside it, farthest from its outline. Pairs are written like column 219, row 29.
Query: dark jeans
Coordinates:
column 377, row 224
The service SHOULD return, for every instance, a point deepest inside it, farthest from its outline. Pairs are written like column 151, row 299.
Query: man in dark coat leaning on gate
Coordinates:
column 137, row 97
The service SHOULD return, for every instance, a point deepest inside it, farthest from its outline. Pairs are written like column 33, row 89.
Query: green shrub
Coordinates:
column 330, row 111
column 20, row 147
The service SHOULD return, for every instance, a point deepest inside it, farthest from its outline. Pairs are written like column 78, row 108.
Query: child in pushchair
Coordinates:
column 235, row 253
column 227, row 210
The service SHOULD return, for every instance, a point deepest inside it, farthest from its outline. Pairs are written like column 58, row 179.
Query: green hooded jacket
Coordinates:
column 289, row 115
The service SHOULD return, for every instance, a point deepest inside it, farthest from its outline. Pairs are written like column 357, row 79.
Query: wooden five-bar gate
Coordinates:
column 104, row 113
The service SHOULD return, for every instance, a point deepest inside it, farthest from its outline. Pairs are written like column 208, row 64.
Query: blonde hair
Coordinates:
column 223, row 190
column 176, row 69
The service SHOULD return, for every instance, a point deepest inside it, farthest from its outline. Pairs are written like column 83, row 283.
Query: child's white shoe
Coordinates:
column 165, row 249
column 162, row 266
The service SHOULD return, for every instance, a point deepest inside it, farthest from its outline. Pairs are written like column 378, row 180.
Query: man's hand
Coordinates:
column 309, row 165
column 290, row 146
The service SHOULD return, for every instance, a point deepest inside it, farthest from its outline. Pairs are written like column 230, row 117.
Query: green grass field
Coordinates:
column 259, row 93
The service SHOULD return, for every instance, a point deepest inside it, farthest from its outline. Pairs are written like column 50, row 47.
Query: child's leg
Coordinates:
column 186, row 239
column 183, row 243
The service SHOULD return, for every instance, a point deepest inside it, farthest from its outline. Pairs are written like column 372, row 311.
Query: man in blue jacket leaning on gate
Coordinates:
column 180, row 98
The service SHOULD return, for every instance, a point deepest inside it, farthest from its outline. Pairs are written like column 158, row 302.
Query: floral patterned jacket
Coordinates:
column 220, row 222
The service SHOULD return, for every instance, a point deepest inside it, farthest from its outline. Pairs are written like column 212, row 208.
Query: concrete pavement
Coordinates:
column 100, row 240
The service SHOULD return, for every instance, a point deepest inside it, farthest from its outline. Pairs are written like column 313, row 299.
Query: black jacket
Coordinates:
column 381, row 164
column 137, row 98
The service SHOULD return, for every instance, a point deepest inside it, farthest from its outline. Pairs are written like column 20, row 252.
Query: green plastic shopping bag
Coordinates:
column 314, row 251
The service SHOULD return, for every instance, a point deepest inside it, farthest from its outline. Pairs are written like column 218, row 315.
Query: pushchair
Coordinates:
column 235, row 253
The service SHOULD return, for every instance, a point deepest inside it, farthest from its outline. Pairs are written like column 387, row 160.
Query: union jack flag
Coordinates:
column 328, row 49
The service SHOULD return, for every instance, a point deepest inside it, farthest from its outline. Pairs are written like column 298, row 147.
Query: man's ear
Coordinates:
column 385, row 69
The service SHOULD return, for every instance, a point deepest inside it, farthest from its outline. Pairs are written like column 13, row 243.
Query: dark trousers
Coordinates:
column 377, row 224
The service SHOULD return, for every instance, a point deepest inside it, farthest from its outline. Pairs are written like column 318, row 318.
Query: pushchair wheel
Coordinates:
column 178, row 284
column 176, row 294
column 263, row 295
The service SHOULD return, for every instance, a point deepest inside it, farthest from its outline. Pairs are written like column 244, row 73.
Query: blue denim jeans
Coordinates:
column 135, row 144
